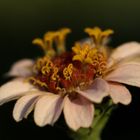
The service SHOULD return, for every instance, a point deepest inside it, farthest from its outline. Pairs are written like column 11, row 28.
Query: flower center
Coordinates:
column 60, row 71
column 63, row 74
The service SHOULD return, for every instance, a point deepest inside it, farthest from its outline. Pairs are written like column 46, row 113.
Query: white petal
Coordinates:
column 95, row 92
column 128, row 73
column 48, row 109
column 119, row 93
column 21, row 68
column 78, row 112
column 14, row 89
column 125, row 51
column 25, row 105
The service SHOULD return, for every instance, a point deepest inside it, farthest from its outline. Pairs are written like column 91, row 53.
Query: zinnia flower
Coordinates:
column 72, row 81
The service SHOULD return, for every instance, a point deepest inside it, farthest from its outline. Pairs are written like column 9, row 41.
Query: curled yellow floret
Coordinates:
column 67, row 72
column 37, row 82
column 55, row 75
column 41, row 62
column 47, row 68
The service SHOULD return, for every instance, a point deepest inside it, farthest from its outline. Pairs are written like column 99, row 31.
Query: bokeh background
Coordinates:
column 23, row 20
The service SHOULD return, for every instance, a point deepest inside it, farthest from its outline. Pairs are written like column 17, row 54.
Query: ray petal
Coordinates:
column 78, row 112
column 14, row 89
column 128, row 73
column 21, row 68
column 125, row 52
column 48, row 109
column 25, row 105
column 119, row 93
column 95, row 92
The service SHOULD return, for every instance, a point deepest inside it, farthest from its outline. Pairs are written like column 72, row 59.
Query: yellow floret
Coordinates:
column 60, row 37
column 47, row 68
column 98, row 35
column 67, row 72
column 47, row 43
column 84, row 53
column 55, row 75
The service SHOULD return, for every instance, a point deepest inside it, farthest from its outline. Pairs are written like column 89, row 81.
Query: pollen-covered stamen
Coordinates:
column 37, row 82
column 42, row 62
column 67, row 72
column 98, row 35
column 55, row 75
column 99, row 64
column 59, row 39
column 47, row 68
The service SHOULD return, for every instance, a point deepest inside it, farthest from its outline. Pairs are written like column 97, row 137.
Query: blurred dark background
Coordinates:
column 23, row 20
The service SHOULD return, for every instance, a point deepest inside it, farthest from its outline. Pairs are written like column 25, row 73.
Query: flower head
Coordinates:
column 72, row 81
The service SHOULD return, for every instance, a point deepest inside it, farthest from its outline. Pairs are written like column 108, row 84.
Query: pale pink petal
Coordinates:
column 128, row 74
column 21, row 68
column 78, row 112
column 25, row 105
column 14, row 89
column 48, row 109
column 96, row 91
column 125, row 51
column 119, row 93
